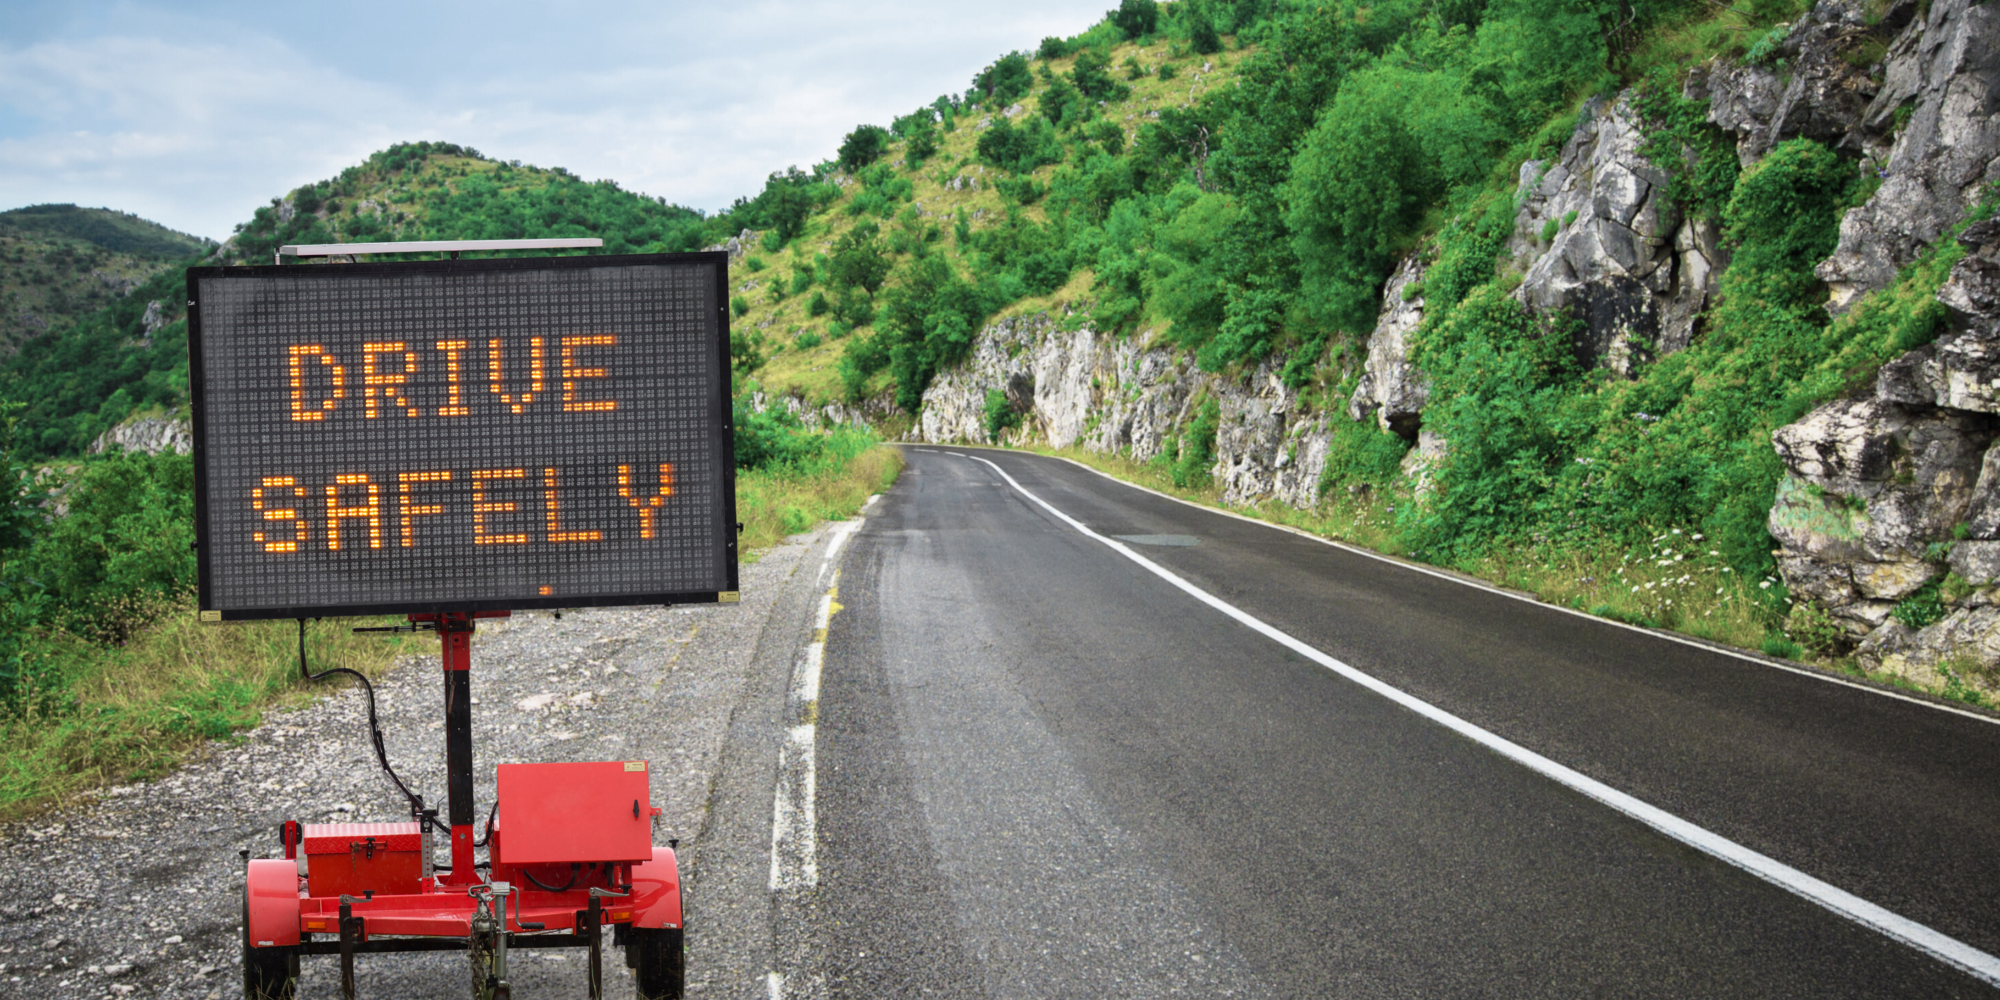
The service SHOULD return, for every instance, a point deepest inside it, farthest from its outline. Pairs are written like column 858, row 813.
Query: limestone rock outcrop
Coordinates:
column 1597, row 237
column 1942, row 74
column 1887, row 492
column 1391, row 387
column 151, row 435
column 1114, row 394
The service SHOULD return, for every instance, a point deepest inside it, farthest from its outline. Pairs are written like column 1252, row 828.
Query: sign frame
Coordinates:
column 723, row 429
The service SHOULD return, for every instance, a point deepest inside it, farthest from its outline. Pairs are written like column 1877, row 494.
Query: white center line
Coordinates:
column 1949, row 950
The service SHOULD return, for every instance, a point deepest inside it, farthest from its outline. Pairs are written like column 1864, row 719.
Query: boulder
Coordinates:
column 1967, row 635
column 1870, row 484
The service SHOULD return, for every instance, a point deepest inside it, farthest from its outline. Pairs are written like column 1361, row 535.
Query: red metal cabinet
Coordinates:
column 583, row 812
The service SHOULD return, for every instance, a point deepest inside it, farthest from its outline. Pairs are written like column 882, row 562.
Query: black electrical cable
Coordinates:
column 374, row 727
column 488, row 835
column 537, row 883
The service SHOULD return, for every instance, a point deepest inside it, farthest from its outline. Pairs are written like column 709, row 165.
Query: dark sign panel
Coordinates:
column 462, row 435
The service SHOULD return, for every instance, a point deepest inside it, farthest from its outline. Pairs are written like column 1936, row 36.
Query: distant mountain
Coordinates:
column 117, row 232
column 60, row 263
column 441, row 191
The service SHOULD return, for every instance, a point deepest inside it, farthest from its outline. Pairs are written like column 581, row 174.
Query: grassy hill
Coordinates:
column 60, row 263
column 807, row 303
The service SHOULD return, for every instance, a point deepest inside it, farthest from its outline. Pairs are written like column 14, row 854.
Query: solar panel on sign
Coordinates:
column 462, row 435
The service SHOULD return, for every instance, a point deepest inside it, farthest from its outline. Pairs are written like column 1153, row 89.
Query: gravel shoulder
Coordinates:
column 139, row 892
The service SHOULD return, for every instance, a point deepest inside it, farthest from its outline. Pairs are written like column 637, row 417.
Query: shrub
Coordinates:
column 1019, row 149
column 1000, row 414
column 1004, row 81
column 863, row 146
column 739, row 306
column 1196, row 452
column 1203, row 37
column 1052, row 47
column 1136, row 18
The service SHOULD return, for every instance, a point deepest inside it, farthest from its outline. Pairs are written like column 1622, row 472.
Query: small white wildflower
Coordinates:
column 1766, row 585
column 1677, row 531
column 1695, row 537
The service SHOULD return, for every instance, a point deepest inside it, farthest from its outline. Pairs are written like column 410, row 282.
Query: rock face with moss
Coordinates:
column 1598, row 238
column 1887, row 494
column 1940, row 99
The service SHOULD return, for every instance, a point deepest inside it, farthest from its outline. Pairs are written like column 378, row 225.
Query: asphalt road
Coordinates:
column 1043, row 771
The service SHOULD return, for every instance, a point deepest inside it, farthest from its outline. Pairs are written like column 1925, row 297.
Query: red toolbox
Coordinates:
column 586, row 812
column 359, row 858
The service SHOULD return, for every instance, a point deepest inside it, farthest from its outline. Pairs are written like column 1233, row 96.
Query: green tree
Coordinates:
column 1005, row 81
column 1093, row 79
column 863, row 146
column 1136, row 18
column 858, row 260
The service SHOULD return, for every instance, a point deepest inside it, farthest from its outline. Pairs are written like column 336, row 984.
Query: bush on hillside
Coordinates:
column 1136, row 18
column 863, row 146
column 1006, row 81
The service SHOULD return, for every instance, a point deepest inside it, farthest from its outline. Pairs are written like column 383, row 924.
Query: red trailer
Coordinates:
column 570, row 855
column 348, row 462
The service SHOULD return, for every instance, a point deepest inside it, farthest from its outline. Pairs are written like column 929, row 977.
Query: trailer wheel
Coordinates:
column 659, row 965
column 486, row 985
column 268, row 973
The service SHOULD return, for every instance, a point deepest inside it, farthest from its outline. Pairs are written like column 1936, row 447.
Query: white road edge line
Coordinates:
column 1949, row 950
column 794, row 820
column 1817, row 675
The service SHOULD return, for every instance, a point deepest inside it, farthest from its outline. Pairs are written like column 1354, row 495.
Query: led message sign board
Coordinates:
column 462, row 435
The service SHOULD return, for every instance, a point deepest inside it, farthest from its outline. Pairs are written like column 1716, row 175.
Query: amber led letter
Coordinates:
column 299, row 353
column 646, row 505
column 537, row 374
column 482, row 507
column 404, row 480
column 386, row 381
column 556, row 532
column 291, row 514
column 371, row 512
column 570, row 373
column 454, row 399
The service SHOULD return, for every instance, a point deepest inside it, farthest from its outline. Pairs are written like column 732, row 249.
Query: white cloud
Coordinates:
column 195, row 120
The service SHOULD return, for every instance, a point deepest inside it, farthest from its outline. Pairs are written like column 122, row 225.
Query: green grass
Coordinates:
column 135, row 711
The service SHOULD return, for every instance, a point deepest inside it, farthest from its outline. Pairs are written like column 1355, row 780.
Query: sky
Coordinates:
column 194, row 113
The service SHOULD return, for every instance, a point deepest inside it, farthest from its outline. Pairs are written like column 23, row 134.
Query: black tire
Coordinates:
column 658, row 962
column 268, row 973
